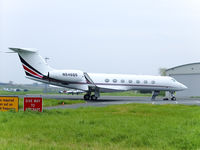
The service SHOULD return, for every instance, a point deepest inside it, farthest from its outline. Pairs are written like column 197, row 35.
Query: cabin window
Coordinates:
column 122, row 81
column 130, row 81
column 153, row 82
column 138, row 81
column 114, row 80
column 107, row 80
column 145, row 81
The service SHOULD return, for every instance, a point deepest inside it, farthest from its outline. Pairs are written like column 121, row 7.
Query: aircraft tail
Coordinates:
column 34, row 65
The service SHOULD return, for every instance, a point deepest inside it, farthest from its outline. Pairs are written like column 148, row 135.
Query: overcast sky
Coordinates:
column 100, row 36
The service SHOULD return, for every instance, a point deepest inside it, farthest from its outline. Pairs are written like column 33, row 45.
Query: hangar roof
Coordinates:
column 193, row 68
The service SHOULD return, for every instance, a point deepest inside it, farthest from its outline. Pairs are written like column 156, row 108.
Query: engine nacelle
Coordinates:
column 67, row 75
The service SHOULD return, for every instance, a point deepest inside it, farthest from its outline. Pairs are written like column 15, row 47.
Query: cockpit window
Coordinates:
column 173, row 80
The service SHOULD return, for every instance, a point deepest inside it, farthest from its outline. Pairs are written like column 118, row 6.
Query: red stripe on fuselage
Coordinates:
column 30, row 71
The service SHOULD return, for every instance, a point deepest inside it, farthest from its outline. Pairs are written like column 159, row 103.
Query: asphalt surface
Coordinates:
column 116, row 100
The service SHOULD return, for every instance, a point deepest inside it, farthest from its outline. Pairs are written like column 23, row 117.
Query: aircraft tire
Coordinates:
column 173, row 98
column 86, row 97
column 93, row 97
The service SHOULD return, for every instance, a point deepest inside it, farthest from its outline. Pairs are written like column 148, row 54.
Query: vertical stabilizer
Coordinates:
column 34, row 65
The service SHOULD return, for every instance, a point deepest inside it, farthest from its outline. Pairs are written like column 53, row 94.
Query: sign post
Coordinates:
column 33, row 103
column 9, row 102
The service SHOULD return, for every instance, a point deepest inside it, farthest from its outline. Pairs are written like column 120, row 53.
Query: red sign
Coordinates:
column 33, row 103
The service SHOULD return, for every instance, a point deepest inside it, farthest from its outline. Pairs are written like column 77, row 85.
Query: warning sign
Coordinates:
column 7, row 103
column 33, row 103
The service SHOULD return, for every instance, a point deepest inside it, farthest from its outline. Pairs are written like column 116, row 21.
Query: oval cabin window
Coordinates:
column 137, row 81
column 114, row 80
column 122, row 81
column 107, row 80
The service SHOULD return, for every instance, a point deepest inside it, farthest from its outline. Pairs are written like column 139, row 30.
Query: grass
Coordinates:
column 53, row 102
column 20, row 92
column 131, row 93
column 127, row 93
column 195, row 96
column 131, row 126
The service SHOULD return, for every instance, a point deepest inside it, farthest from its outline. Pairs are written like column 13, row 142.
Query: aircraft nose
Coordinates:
column 183, row 87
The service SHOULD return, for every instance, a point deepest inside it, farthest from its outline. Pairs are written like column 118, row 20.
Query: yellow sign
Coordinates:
column 7, row 103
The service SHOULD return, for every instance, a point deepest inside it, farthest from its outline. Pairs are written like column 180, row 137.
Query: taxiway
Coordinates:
column 117, row 100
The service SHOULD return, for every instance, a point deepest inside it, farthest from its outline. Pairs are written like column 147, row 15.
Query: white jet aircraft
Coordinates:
column 37, row 69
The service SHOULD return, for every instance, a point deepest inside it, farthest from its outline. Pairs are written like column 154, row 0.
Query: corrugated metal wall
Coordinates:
column 192, row 81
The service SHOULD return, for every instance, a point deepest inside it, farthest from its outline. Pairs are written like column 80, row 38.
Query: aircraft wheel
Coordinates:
column 86, row 97
column 173, row 98
column 93, row 97
column 165, row 99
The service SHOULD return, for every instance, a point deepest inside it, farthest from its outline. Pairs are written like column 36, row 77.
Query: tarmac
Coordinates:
column 116, row 100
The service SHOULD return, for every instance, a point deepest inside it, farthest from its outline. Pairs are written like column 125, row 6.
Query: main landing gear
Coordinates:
column 95, row 96
column 90, row 97
column 86, row 97
column 154, row 94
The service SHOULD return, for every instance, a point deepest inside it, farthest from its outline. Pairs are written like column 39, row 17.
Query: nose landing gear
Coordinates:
column 173, row 98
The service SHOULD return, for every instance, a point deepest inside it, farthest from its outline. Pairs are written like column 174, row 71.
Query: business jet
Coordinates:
column 93, row 84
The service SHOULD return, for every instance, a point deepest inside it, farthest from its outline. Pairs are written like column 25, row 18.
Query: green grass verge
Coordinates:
column 53, row 102
column 128, row 93
column 131, row 93
column 195, row 96
column 132, row 126
column 20, row 92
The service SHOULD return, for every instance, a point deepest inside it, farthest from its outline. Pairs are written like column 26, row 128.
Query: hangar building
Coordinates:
column 189, row 75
